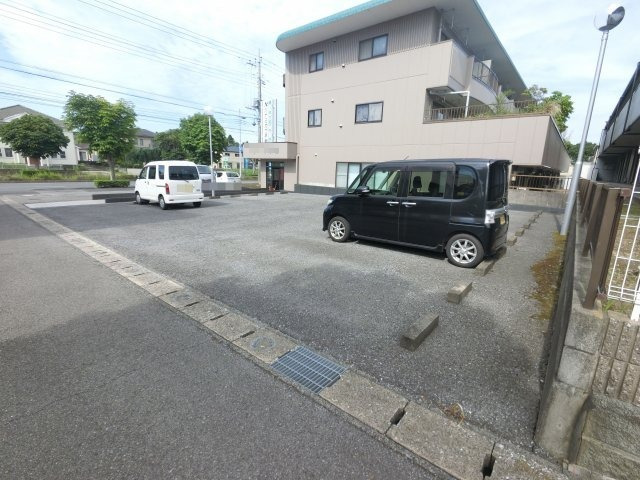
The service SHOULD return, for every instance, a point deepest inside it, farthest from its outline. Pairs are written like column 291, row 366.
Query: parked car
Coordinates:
column 457, row 205
column 205, row 172
column 227, row 177
column 169, row 182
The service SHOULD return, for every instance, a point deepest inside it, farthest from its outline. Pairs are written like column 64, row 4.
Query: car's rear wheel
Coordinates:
column 339, row 229
column 464, row 250
column 197, row 204
column 162, row 203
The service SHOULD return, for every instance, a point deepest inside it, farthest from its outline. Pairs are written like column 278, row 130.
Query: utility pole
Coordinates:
column 259, row 97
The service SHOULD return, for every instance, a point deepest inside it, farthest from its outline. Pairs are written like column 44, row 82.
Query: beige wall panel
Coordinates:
column 509, row 131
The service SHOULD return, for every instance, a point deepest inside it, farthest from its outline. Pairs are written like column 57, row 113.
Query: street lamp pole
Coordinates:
column 615, row 16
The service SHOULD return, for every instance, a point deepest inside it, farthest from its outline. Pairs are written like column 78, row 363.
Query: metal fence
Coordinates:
column 601, row 205
column 539, row 182
column 485, row 111
column 624, row 278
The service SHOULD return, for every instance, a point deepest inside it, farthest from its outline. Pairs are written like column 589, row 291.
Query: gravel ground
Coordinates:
column 267, row 256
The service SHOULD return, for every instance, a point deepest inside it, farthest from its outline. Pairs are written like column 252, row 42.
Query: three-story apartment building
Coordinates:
column 396, row 79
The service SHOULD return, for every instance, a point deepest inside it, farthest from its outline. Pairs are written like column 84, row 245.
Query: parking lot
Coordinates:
column 266, row 256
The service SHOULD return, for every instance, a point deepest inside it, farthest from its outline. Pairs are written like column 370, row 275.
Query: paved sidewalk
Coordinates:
column 101, row 380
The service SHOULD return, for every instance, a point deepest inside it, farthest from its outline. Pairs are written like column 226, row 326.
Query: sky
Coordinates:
column 173, row 59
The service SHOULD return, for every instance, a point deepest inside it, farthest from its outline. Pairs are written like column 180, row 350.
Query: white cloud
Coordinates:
column 552, row 43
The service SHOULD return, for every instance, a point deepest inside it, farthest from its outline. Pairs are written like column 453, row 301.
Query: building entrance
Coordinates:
column 275, row 175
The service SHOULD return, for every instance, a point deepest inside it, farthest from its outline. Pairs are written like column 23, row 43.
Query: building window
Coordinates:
column 8, row 152
column 63, row 154
column 141, row 142
column 373, row 47
column 369, row 112
column 316, row 62
column 346, row 173
column 315, row 118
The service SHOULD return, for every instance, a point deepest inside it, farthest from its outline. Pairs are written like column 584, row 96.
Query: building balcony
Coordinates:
column 483, row 111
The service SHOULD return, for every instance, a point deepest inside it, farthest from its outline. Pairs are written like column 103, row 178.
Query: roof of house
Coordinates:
column 16, row 110
column 232, row 149
column 141, row 132
column 467, row 15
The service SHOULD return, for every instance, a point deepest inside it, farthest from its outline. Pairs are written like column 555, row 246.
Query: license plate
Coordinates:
column 502, row 220
column 188, row 188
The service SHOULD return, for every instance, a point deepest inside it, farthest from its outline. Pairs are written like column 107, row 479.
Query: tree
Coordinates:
column 573, row 149
column 231, row 141
column 139, row 156
column 108, row 128
column 558, row 105
column 34, row 136
column 169, row 144
column 194, row 137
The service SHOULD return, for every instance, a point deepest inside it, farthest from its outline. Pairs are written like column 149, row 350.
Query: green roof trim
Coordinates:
column 332, row 18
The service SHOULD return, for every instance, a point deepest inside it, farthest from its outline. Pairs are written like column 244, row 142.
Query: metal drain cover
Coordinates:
column 308, row 369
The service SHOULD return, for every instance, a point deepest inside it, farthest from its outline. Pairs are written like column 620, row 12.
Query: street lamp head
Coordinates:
column 615, row 14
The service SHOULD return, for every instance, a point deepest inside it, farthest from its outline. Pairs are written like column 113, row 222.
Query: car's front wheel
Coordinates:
column 139, row 199
column 464, row 250
column 162, row 203
column 339, row 229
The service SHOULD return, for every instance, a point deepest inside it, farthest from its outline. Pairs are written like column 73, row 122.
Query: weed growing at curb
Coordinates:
column 548, row 275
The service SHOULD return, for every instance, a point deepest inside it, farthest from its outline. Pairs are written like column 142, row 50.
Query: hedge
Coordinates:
column 111, row 183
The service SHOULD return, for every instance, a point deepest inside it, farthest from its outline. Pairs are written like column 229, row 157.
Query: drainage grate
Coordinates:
column 308, row 369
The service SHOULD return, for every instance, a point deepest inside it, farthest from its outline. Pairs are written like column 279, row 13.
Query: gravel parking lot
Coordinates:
column 267, row 257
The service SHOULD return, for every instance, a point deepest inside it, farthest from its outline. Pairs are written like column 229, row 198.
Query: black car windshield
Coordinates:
column 183, row 172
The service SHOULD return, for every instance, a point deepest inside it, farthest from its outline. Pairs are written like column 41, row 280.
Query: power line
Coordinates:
column 118, row 44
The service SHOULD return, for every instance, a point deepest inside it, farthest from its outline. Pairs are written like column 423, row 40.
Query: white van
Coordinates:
column 168, row 182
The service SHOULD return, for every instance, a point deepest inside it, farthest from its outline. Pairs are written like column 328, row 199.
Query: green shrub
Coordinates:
column 111, row 183
column 41, row 174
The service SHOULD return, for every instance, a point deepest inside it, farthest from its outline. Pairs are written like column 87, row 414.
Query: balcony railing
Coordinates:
column 487, row 111
column 485, row 75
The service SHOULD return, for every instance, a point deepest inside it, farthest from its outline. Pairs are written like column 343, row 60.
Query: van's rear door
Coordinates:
column 184, row 179
column 498, row 185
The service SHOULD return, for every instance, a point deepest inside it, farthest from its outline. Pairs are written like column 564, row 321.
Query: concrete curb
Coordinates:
column 457, row 293
column 448, row 445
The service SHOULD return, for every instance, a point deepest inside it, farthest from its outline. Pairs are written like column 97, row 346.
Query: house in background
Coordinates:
column 416, row 79
column 230, row 157
column 144, row 138
column 7, row 155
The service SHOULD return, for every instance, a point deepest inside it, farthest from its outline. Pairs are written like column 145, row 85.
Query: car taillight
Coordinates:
column 166, row 188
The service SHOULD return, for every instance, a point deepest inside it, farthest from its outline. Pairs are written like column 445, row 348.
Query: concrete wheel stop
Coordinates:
column 416, row 333
column 457, row 293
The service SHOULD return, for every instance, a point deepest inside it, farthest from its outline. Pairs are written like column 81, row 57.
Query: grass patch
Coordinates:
column 548, row 275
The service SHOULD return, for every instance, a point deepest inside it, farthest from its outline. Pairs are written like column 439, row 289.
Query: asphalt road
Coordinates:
column 100, row 380
column 267, row 256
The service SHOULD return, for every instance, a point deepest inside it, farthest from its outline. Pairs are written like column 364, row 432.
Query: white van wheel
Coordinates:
column 162, row 203
column 464, row 250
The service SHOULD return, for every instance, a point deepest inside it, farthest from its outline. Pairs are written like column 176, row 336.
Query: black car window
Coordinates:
column 143, row 173
column 384, row 181
column 183, row 172
column 428, row 182
column 152, row 173
column 161, row 172
column 465, row 182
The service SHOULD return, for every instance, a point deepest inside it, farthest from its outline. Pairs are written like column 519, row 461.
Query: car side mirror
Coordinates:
column 363, row 190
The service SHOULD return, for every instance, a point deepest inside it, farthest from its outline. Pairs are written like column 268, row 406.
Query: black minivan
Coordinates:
column 456, row 205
